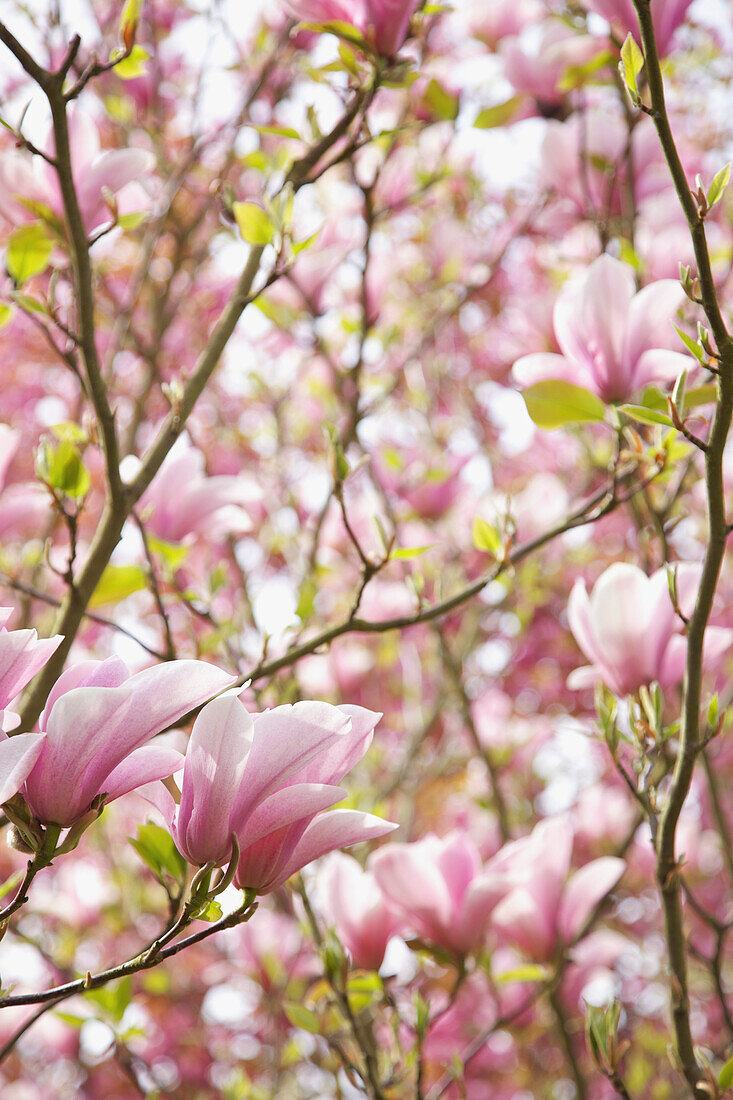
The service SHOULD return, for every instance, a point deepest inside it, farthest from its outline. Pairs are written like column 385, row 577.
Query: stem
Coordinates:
column 690, row 740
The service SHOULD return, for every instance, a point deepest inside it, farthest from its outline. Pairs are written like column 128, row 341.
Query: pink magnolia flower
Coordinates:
column 95, row 172
column 97, row 721
column 384, row 23
column 540, row 73
column 613, row 340
column 182, row 500
column 353, row 903
column 441, row 888
column 545, row 908
column 667, row 15
column 24, row 504
column 630, row 632
column 22, row 655
column 264, row 779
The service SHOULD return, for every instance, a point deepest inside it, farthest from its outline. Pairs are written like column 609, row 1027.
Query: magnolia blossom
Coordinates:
column 22, row 655
column 24, row 504
column 613, row 340
column 630, row 632
column 441, row 888
column 667, row 15
column 96, row 723
column 364, row 919
column 182, row 500
column 264, row 779
column 384, row 23
column 540, row 73
column 96, row 172
column 544, row 907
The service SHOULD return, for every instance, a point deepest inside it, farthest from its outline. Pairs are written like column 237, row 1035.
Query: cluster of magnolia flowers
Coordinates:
column 253, row 786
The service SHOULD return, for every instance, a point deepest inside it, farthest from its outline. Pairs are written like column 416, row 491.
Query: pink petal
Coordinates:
column 144, row 765
column 335, row 829
column 17, row 756
column 585, row 889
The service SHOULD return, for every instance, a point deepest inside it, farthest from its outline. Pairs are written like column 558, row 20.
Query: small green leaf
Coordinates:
column 135, row 64
column 117, row 583
column 725, row 1077
column 156, row 848
column 300, row 246
column 6, row 314
column 532, row 972
column 407, row 553
column 555, row 403
column 254, row 223
column 630, row 66
column 129, row 21
column 132, row 221
column 278, row 131
column 487, row 538
column 499, row 115
column 443, row 104
column 301, row 1017
column 692, row 345
column 306, row 599
column 113, row 999
column 645, row 416
column 172, row 553
column 210, row 913
column 10, row 883
column 29, row 248
column 60, row 466
column 717, row 188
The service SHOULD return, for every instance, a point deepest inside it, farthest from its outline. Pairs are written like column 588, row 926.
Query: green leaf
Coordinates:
column 630, row 66
column 156, row 849
column 300, row 246
column 210, row 913
column 117, row 583
column 132, row 221
column 11, row 883
column 407, row 553
column 61, row 467
column 113, row 999
column 555, row 403
column 135, row 64
column 29, row 248
column 172, row 553
column 443, row 104
column 487, row 538
column 301, row 1017
column 645, row 416
column 721, row 180
column 68, row 429
column 701, row 395
column 6, row 314
column 532, row 972
column 129, row 21
column 691, row 345
column 498, row 115
column 254, row 223
column 725, row 1077
column 279, row 131
column 306, row 599
column 576, row 76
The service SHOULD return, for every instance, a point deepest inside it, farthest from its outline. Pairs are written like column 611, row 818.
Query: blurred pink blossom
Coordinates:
column 631, row 633
column 364, row 919
column 613, row 340
column 545, row 907
column 384, row 23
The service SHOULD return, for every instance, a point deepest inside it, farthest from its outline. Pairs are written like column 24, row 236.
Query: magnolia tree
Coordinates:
column 367, row 372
